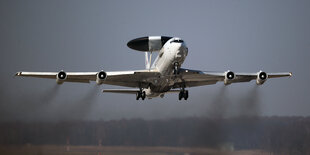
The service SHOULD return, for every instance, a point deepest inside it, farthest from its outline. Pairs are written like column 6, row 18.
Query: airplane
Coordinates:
column 165, row 75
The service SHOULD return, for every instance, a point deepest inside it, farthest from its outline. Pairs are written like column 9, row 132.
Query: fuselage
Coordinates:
column 172, row 53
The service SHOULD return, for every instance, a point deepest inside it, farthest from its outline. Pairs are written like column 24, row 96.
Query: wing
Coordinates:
column 193, row 78
column 83, row 77
column 121, row 91
column 138, row 78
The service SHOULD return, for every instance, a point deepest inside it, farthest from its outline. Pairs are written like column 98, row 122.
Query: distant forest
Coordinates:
column 279, row 135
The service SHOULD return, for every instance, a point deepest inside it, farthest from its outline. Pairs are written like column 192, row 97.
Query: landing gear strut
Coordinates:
column 176, row 68
column 140, row 94
column 183, row 94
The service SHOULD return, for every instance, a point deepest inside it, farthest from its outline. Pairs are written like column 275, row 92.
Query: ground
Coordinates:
column 117, row 150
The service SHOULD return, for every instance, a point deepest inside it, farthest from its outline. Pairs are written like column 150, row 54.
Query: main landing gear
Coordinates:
column 183, row 94
column 140, row 94
column 176, row 68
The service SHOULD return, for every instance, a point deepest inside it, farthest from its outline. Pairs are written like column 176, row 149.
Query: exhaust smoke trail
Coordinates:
column 216, row 113
column 249, row 105
column 80, row 108
column 218, row 106
column 49, row 95
column 235, row 104
column 225, row 106
column 39, row 99
column 25, row 105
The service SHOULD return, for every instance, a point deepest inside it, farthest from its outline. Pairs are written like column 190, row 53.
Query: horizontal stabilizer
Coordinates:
column 121, row 91
column 132, row 91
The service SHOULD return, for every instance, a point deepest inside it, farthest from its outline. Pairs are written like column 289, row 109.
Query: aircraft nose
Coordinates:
column 182, row 51
column 183, row 48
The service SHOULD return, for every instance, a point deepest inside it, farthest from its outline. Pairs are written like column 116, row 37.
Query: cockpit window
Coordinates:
column 177, row 41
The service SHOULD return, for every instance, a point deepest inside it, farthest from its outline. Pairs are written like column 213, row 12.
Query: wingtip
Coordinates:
column 18, row 73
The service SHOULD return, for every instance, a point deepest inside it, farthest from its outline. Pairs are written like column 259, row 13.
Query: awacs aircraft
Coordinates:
column 163, row 76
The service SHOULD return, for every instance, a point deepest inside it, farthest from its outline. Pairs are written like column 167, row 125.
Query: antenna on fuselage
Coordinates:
column 148, row 60
column 147, row 65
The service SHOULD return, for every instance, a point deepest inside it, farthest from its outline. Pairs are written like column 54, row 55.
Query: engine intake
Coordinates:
column 229, row 76
column 61, row 77
column 261, row 77
column 101, row 76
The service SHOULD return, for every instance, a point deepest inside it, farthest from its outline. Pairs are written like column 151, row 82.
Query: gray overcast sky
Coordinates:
column 78, row 35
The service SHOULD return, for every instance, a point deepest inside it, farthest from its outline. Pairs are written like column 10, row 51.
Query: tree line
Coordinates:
column 278, row 135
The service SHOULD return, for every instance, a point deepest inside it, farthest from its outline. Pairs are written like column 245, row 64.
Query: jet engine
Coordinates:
column 101, row 76
column 261, row 77
column 229, row 76
column 61, row 77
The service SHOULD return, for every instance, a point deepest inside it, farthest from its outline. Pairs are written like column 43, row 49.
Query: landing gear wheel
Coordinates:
column 176, row 68
column 138, row 95
column 185, row 95
column 143, row 95
column 180, row 95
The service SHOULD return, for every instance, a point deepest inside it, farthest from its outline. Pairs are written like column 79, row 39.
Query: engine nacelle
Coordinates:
column 61, row 77
column 261, row 77
column 101, row 76
column 229, row 76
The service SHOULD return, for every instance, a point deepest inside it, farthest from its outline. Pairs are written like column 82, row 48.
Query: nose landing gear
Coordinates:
column 183, row 94
column 176, row 68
